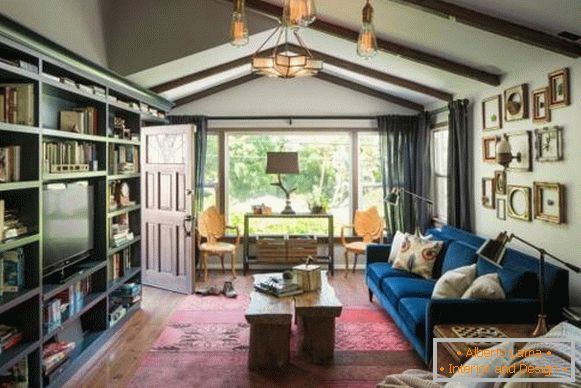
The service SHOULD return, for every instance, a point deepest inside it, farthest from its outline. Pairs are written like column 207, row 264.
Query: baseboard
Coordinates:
column 338, row 267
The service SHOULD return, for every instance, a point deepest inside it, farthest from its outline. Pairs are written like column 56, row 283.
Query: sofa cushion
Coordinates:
column 413, row 313
column 378, row 271
column 398, row 288
column 516, row 283
column 458, row 254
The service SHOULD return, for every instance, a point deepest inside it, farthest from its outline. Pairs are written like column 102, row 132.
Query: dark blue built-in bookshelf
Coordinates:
column 86, row 300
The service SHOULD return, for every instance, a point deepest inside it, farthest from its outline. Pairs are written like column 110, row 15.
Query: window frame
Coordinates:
column 438, row 127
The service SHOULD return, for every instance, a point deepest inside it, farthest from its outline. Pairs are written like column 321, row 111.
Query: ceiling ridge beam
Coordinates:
column 399, row 50
column 216, row 89
column 497, row 26
column 380, row 75
column 370, row 91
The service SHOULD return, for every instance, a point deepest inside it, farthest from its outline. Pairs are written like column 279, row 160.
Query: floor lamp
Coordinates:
column 493, row 251
column 393, row 199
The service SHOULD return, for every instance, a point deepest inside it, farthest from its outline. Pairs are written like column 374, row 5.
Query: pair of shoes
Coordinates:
column 208, row 290
column 228, row 290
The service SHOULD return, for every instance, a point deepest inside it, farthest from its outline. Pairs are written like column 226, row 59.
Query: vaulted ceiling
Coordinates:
column 432, row 50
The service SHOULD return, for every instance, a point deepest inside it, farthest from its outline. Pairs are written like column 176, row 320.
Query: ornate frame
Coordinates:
column 488, row 202
column 523, row 113
column 512, row 213
column 487, row 142
column 498, row 112
column 537, row 118
column 501, row 207
column 548, row 131
column 564, row 73
column 500, row 182
column 538, row 188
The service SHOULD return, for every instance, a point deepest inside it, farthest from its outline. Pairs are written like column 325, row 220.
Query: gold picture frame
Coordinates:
column 500, row 182
column 520, row 210
column 541, row 109
column 488, row 193
column 501, row 208
column 549, row 144
column 559, row 93
column 549, row 202
column 492, row 113
column 489, row 149
column 516, row 103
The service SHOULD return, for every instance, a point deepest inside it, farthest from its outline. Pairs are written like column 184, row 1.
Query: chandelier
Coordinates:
column 283, row 61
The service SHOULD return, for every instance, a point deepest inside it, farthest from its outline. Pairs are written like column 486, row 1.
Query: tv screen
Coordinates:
column 68, row 217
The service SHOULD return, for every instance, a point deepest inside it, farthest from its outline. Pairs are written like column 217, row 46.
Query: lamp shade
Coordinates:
column 282, row 163
column 493, row 250
column 393, row 197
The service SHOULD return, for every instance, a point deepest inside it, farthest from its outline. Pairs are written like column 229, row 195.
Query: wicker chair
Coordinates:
column 212, row 227
column 367, row 224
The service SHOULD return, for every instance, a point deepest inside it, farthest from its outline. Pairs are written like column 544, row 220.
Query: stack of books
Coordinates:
column 9, row 337
column 17, row 103
column 10, row 225
column 68, row 156
column 80, row 120
column 124, row 159
column 120, row 233
column 277, row 286
column 52, row 317
column 10, row 163
column 67, row 303
column 127, row 295
column 21, row 64
column 55, row 354
column 17, row 376
column 12, row 271
column 117, row 312
column 120, row 263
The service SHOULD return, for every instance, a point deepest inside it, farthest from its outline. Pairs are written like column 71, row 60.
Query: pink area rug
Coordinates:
column 205, row 344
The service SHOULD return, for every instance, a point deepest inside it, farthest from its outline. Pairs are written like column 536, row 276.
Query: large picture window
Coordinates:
column 440, row 173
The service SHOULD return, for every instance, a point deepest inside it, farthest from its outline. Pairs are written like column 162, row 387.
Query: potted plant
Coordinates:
column 318, row 203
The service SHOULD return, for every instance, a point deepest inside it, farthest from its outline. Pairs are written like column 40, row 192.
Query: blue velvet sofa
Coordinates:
column 407, row 297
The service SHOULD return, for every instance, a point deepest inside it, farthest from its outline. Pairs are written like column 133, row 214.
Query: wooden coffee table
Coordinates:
column 270, row 321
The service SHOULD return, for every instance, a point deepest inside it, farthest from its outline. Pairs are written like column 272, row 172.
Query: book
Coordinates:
column 277, row 286
column 13, row 270
column 17, row 376
column 2, row 205
column 19, row 108
column 71, row 121
column 10, row 163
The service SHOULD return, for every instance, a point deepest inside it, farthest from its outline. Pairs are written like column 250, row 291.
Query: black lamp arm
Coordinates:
column 541, row 250
column 424, row 199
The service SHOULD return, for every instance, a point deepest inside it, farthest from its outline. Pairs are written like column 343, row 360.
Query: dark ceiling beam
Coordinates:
column 497, row 26
column 370, row 92
column 388, row 46
column 380, row 76
column 216, row 89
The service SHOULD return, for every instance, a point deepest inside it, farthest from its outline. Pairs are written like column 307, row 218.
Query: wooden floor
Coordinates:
column 116, row 363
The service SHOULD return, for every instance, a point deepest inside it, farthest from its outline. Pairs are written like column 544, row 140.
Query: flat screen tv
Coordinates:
column 68, row 217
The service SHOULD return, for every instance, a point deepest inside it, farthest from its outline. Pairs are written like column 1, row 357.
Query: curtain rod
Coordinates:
column 238, row 118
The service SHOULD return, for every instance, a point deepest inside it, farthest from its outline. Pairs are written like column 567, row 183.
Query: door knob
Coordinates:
column 189, row 191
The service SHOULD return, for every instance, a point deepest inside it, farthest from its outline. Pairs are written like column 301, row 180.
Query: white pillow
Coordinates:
column 485, row 287
column 482, row 362
column 454, row 283
column 398, row 239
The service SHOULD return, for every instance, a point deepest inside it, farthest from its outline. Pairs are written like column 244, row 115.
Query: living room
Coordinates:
column 309, row 193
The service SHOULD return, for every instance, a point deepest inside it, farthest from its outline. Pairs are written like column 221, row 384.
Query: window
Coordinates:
column 440, row 173
column 370, row 180
column 211, row 177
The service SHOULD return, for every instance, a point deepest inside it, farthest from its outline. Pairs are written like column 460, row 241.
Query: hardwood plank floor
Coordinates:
column 116, row 363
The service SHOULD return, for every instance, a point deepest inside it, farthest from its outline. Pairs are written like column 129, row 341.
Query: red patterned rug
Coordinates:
column 205, row 344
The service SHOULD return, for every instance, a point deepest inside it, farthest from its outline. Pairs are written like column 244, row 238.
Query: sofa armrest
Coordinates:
column 377, row 253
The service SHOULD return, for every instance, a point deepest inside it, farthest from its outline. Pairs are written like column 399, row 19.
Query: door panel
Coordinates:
column 169, row 199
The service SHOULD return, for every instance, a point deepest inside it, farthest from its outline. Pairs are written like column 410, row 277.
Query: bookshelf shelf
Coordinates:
column 17, row 71
column 18, row 242
column 153, row 119
column 23, row 185
column 60, row 89
column 123, row 107
column 89, row 301
column 15, row 354
column 123, row 176
column 51, row 290
column 115, row 284
column 73, row 175
column 127, row 209
column 132, row 310
column 123, row 141
column 12, row 299
column 17, row 128
column 114, row 250
column 73, row 136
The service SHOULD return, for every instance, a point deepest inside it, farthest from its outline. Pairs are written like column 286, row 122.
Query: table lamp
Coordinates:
column 494, row 250
column 393, row 199
column 283, row 163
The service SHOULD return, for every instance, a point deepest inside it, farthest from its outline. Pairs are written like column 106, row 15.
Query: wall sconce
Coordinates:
column 504, row 154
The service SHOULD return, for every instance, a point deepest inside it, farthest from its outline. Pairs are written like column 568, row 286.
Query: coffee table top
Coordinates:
column 323, row 302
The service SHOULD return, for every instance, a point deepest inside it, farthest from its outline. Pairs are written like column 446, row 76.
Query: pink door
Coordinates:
column 167, row 198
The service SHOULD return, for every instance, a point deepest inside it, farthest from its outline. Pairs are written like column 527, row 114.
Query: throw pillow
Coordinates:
column 417, row 256
column 485, row 287
column 398, row 239
column 454, row 283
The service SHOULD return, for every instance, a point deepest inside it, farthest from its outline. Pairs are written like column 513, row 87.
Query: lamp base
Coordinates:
column 288, row 209
column 541, row 328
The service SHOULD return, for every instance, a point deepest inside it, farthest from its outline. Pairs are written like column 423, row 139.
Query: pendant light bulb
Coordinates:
column 299, row 13
column 239, row 25
column 367, row 42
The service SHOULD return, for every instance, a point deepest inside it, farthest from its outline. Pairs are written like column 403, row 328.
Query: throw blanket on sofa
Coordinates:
column 560, row 358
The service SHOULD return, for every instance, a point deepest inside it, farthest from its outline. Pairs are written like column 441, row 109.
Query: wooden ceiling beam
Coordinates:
column 399, row 50
column 216, row 89
column 381, row 76
column 369, row 91
column 496, row 26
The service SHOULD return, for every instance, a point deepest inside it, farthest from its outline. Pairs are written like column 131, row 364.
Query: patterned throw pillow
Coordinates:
column 417, row 256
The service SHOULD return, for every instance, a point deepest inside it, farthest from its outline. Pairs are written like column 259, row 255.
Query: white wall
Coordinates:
column 76, row 25
column 304, row 97
column 562, row 240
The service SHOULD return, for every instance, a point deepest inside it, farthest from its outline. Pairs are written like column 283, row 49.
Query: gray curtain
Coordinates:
column 423, row 177
column 459, row 166
column 201, row 123
column 398, row 137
